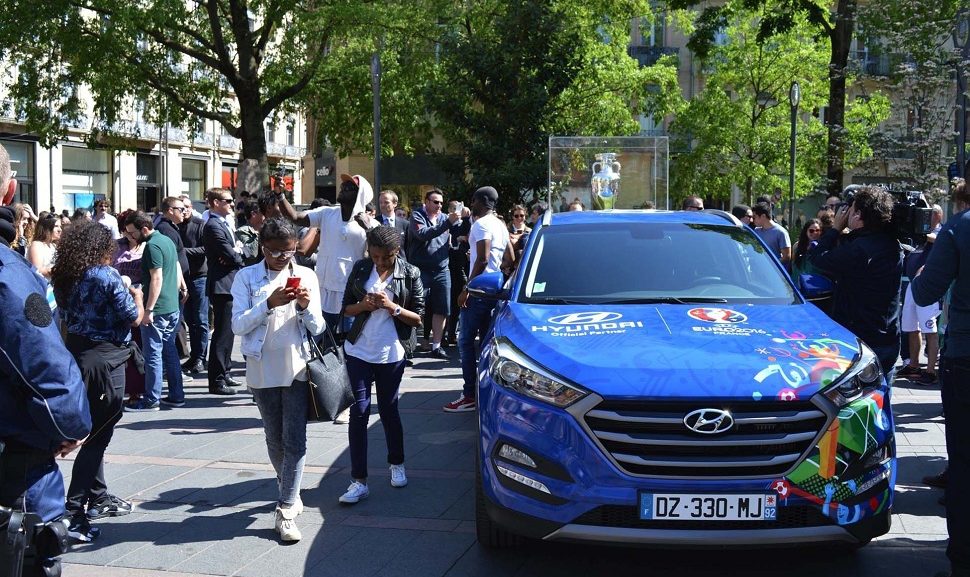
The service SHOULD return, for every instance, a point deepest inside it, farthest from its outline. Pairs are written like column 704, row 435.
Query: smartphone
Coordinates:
column 293, row 282
column 459, row 207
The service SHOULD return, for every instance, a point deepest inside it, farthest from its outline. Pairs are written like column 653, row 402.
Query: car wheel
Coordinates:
column 489, row 534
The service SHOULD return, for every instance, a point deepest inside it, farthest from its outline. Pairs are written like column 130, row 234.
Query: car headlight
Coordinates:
column 513, row 370
column 865, row 373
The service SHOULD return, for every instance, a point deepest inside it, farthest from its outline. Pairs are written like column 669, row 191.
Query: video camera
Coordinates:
column 912, row 216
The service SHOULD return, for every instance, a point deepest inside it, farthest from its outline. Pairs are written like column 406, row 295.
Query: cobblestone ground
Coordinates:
column 203, row 491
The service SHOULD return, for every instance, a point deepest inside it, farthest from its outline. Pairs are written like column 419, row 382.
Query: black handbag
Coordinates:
column 330, row 392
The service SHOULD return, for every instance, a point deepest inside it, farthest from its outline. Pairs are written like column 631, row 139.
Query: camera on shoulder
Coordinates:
column 911, row 216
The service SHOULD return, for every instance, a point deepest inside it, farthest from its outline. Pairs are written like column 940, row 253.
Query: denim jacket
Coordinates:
column 250, row 311
column 408, row 293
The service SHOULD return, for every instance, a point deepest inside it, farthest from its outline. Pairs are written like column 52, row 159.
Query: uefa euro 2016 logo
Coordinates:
column 719, row 316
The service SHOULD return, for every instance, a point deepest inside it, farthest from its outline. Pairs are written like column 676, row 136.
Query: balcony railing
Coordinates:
column 870, row 64
column 649, row 55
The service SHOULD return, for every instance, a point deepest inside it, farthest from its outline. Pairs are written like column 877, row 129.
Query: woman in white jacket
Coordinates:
column 274, row 303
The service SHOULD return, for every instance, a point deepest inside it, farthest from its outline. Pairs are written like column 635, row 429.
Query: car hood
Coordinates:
column 672, row 351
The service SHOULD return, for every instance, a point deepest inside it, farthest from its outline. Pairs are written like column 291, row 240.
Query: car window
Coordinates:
column 619, row 262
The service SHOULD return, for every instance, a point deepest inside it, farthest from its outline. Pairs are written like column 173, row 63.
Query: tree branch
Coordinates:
column 202, row 57
column 293, row 89
column 272, row 15
column 212, row 7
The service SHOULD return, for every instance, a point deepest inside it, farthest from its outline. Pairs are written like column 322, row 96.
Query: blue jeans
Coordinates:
column 283, row 411
column 387, row 378
column 197, row 317
column 158, row 347
column 473, row 321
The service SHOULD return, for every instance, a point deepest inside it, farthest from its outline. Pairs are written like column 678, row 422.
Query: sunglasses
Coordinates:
column 435, row 201
column 225, row 200
column 280, row 253
column 695, row 208
column 813, row 230
column 518, row 215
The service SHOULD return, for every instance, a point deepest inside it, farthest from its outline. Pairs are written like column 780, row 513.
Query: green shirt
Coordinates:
column 160, row 253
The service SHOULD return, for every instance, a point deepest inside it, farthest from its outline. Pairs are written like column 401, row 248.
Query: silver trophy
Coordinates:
column 605, row 182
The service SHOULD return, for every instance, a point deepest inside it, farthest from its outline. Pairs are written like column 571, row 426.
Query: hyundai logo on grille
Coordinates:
column 584, row 318
column 709, row 421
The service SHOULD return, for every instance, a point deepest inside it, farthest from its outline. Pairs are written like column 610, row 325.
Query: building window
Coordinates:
column 193, row 178
column 290, row 134
column 270, row 132
column 149, row 188
column 22, row 165
column 87, row 177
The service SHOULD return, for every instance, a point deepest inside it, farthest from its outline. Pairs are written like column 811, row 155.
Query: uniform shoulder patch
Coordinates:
column 37, row 311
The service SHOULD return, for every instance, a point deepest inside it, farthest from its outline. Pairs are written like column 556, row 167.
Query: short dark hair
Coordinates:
column 167, row 202
column 384, row 237
column 960, row 193
column 214, row 193
column 874, row 205
column 689, row 201
column 266, row 200
column 740, row 211
column 762, row 209
column 278, row 228
column 139, row 220
column 428, row 194
column 318, row 202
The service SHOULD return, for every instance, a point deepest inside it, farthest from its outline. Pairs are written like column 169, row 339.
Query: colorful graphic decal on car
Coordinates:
column 715, row 315
column 860, row 427
column 798, row 360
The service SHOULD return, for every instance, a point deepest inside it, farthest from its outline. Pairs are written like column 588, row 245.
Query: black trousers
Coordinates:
column 220, row 347
column 955, row 384
column 87, row 477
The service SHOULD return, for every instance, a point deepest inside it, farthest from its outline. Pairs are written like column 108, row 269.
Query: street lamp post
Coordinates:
column 375, row 70
column 794, row 95
column 961, row 41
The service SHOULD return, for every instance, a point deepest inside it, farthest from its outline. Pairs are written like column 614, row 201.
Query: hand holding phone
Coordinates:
column 293, row 282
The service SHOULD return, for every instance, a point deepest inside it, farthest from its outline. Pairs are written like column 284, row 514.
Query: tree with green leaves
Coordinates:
column 733, row 128
column 511, row 73
column 236, row 62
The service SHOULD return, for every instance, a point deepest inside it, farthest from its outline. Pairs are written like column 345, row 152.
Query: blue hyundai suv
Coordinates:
column 656, row 378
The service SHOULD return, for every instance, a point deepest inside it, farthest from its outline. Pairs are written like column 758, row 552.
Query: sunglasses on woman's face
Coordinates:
column 280, row 253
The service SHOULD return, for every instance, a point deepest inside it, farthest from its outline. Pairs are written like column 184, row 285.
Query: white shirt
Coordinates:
column 489, row 227
column 341, row 245
column 377, row 342
column 109, row 222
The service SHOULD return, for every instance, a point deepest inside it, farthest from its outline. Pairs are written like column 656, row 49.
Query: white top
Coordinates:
column 109, row 222
column 489, row 227
column 377, row 342
column 46, row 252
column 273, row 339
column 341, row 245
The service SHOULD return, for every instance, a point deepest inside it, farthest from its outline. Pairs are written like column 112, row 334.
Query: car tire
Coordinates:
column 490, row 535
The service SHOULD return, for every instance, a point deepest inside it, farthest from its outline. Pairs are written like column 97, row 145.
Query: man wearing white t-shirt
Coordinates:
column 102, row 216
column 343, row 239
column 487, row 240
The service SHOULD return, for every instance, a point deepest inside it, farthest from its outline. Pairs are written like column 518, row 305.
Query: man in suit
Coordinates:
column 388, row 202
column 224, row 260
column 197, row 307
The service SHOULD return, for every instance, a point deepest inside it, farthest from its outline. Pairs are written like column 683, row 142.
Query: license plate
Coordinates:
column 708, row 507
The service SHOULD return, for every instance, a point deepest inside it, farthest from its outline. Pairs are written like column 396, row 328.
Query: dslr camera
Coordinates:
column 912, row 216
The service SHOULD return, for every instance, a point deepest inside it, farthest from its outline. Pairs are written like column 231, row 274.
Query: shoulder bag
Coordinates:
column 330, row 392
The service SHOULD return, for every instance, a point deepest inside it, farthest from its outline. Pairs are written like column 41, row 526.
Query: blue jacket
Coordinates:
column 427, row 242
column 867, row 268
column 943, row 268
column 42, row 396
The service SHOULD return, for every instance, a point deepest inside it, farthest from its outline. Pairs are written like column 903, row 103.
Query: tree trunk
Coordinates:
column 254, row 168
column 841, row 37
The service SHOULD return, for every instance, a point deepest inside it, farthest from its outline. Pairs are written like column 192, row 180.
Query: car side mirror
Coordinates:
column 815, row 287
column 490, row 285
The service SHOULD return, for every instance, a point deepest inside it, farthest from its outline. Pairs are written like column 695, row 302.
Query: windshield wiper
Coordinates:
column 558, row 301
column 663, row 300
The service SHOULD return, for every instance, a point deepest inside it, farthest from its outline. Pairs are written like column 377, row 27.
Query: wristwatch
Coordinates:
column 397, row 311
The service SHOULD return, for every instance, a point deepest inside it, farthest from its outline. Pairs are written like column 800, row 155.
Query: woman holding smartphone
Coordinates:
column 274, row 303
column 385, row 296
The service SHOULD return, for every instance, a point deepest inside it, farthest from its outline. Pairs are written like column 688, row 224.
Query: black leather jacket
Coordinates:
column 408, row 293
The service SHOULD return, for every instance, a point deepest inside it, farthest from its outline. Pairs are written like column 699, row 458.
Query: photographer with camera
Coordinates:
column 946, row 267
column 867, row 268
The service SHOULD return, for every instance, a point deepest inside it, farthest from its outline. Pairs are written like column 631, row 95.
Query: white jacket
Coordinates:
column 250, row 311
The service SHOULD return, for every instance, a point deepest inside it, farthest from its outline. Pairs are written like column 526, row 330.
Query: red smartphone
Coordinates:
column 293, row 282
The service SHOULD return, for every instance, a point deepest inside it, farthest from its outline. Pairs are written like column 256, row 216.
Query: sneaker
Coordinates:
column 926, row 378
column 286, row 524
column 142, row 406
column 343, row 418
column 80, row 529
column 108, row 506
column 440, row 353
column 909, row 371
column 460, row 405
column 355, row 492
column 169, row 402
column 398, row 478
column 938, row 481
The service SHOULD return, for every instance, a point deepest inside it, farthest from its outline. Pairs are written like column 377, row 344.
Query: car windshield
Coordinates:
column 636, row 262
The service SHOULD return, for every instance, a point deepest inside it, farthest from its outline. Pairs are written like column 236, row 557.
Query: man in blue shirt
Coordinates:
column 43, row 406
column 945, row 268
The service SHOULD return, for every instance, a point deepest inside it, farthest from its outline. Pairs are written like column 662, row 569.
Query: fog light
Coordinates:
column 531, row 483
column 876, row 458
column 512, row 454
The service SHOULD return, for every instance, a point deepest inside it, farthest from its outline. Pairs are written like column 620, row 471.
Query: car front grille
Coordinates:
column 628, row 517
column 650, row 438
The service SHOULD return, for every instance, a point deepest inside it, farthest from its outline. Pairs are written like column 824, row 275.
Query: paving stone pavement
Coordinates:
column 204, row 493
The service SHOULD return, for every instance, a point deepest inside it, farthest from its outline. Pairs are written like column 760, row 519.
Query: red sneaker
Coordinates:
column 460, row 405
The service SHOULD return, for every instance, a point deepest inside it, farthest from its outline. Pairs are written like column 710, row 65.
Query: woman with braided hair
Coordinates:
column 386, row 299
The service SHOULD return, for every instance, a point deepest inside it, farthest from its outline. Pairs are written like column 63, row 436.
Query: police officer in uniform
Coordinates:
column 43, row 413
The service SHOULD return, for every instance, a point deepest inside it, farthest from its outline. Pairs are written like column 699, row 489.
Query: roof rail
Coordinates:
column 547, row 217
column 725, row 215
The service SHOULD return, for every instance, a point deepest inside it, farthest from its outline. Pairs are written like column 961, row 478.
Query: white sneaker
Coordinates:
column 355, row 492
column 343, row 418
column 398, row 478
column 286, row 524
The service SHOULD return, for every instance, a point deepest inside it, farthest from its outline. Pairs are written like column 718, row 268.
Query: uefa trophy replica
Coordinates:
column 605, row 182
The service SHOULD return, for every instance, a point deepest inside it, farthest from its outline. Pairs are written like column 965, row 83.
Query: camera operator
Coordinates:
column 43, row 412
column 946, row 266
column 867, row 268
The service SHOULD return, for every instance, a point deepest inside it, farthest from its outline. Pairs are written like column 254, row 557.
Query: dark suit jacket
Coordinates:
column 223, row 260
column 191, row 233
column 168, row 228
column 401, row 224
